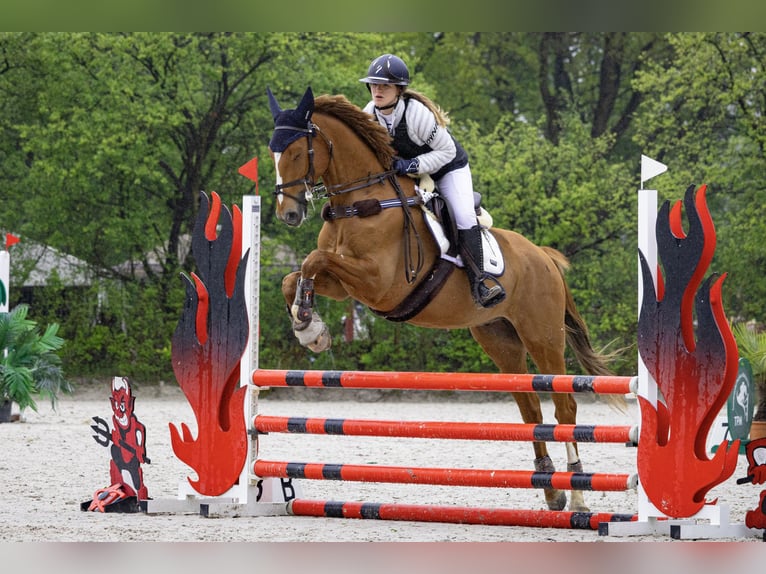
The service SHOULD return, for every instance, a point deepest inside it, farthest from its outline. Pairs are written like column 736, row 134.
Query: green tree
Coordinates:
column 107, row 140
column 704, row 117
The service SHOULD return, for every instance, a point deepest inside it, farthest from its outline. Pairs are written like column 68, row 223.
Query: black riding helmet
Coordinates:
column 387, row 69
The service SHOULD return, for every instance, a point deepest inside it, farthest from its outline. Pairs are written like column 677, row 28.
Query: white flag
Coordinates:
column 650, row 168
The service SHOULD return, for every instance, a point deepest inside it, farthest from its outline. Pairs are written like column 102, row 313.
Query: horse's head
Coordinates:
column 291, row 147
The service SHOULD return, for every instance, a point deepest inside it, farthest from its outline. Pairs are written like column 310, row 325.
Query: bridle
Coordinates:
column 308, row 181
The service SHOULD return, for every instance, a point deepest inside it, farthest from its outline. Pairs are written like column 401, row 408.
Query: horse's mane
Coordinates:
column 361, row 123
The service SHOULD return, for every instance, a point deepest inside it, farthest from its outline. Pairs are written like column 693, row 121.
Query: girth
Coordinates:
column 421, row 295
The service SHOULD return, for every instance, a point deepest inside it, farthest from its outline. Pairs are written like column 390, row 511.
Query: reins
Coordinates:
column 410, row 273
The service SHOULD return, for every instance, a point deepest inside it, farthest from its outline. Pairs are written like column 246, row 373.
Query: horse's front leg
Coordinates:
column 308, row 327
column 318, row 276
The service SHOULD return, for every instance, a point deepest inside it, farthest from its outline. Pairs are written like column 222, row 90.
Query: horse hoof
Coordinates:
column 323, row 342
column 557, row 502
column 315, row 335
column 576, row 500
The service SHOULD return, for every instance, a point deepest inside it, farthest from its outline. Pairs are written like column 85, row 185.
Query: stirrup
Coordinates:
column 489, row 296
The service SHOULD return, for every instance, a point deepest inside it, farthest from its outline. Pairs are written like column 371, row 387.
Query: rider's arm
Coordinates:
column 423, row 128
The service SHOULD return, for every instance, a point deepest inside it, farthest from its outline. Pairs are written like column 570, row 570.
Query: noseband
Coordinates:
column 307, row 180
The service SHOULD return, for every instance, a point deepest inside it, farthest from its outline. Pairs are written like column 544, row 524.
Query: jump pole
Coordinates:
column 521, row 432
column 455, row 514
column 504, row 382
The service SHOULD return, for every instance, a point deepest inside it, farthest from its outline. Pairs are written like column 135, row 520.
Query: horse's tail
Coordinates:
column 578, row 338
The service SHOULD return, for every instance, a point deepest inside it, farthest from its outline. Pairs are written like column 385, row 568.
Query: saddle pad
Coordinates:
column 494, row 264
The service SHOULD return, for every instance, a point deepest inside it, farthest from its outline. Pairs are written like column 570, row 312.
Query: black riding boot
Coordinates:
column 473, row 258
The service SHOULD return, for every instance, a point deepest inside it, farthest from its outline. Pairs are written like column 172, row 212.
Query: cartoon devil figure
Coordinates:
column 756, row 473
column 127, row 439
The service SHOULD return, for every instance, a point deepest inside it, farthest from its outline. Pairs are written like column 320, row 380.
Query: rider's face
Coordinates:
column 384, row 95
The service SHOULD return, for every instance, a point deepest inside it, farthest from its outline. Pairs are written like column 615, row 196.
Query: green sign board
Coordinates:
column 741, row 404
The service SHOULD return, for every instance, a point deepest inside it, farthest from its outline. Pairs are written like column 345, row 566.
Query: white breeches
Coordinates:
column 457, row 189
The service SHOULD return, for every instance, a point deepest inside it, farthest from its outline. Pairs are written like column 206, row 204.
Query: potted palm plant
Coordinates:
column 29, row 364
column 752, row 346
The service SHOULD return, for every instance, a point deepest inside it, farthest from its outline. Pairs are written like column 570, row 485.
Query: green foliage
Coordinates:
column 706, row 119
column 113, row 328
column 29, row 365
column 107, row 140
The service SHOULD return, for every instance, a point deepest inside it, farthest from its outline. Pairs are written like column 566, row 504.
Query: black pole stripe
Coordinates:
column 294, row 379
column 333, row 509
column 585, row 433
column 582, row 481
column 582, row 384
column 331, row 378
column 543, row 432
column 542, row 383
column 334, row 426
column 332, row 471
column 542, row 480
column 296, row 470
column 581, row 520
column 371, row 510
column 296, row 424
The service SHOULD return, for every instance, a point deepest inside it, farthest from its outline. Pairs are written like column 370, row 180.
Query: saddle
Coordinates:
column 441, row 222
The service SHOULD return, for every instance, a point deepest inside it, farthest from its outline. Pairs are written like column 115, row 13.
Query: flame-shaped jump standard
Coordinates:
column 206, row 350
column 694, row 377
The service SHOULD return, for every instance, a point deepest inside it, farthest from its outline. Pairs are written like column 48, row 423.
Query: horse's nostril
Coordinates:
column 292, row 218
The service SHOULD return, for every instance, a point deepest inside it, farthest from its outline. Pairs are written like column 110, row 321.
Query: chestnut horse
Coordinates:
column 373, row 249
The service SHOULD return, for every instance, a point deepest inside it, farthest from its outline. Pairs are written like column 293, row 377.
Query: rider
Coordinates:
column 424, row 145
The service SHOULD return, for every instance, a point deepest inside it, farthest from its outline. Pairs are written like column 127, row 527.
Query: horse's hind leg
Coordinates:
column 549, row 358
column 566, row 413
column 501, row 342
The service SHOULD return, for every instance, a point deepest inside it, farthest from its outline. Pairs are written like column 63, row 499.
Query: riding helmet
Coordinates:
column 387, row 69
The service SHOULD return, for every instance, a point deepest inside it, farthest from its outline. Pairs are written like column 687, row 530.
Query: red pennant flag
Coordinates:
column 10, row 240
column 250, row 171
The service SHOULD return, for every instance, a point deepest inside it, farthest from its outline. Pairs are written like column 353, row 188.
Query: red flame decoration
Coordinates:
column 694, row 377
column 206, row 350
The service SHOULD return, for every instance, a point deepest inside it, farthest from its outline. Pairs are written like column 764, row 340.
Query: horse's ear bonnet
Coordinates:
column 290, row 124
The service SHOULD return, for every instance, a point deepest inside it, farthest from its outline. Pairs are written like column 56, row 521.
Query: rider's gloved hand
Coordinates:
column 406, row 166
